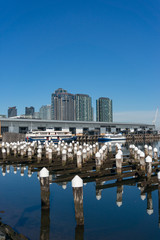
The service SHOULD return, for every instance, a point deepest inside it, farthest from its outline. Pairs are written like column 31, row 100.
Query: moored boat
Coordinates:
column 49, row 135
column 111, row 137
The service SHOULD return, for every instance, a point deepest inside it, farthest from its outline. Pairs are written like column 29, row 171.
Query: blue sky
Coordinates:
column 104, row 48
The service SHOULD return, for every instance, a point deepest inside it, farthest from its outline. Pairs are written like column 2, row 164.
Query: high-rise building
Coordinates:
column 45, row 112
column 83, row 107
column 104, row 110
column 36, row 115
column 29, row 111
column 62, row 105
column 12, row 111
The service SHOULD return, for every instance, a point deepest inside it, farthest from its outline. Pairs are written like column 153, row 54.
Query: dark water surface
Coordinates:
column 20, row 208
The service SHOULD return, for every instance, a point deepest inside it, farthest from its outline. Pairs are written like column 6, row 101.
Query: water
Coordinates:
column 21, row 209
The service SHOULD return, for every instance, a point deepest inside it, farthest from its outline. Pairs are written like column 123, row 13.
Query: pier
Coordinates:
column 81, row 163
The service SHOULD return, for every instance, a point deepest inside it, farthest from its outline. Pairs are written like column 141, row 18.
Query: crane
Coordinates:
column 155, row 117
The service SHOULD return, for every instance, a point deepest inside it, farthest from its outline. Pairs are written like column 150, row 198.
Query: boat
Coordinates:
column 49, row 135
column 111, row 137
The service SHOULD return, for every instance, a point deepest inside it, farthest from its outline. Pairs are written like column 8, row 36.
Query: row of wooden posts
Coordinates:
column 82, row 153
column 143, row 167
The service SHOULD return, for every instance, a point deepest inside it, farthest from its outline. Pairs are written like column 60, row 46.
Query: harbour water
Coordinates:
column 114, row 209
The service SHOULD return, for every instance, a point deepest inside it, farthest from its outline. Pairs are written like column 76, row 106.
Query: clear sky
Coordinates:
column 104, row 48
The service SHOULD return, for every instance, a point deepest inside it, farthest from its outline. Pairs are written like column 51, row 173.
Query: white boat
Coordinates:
column 49, row 135
column 111, row 137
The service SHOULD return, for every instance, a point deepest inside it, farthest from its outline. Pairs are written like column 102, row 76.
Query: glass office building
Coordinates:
column 83, row 107
column 62, row 105
column 104, row 110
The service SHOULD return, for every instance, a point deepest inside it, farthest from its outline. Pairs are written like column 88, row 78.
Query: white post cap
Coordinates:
column 84, row 151
column 79, row 153
column 155, row 150
column 139, row 152
column 77, row 182
column 69, row 150
column 98, row 155
column 142, row 155
column 150, row 148
column 3, row 150
column 148, row 159
column 120, row 152
column 64, row 152
column 119, row 204
column 118, row 156
column 143, row 197
column 44, row 172
column 64, row 186
column 104, row 148
column 39, row 150
column 101, row 151
column 98, row 197
column 149, row 211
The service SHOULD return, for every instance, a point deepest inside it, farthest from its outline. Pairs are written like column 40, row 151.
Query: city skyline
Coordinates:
column 68, row 106
column 129, row 116
column 102, row 48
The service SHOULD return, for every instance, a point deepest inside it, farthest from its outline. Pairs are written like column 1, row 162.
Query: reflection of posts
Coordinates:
column 79, row 232
column 149, row 203
column 77, row 186
column 98, row 194
column 45, row 204
column 119, row 195
column 143, row 194
column 158, row 175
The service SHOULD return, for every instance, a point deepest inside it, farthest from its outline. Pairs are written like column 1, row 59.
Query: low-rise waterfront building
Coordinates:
column 76, row 127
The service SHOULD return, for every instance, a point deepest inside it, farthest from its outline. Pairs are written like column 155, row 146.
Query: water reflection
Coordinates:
column 105, row 178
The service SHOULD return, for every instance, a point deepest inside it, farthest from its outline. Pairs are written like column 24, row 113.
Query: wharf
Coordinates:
column 130, row 173
column 129, row 138
column 142, row 137
column 105, row 165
